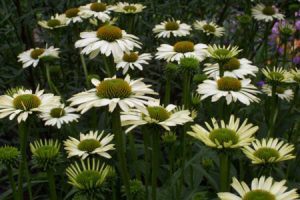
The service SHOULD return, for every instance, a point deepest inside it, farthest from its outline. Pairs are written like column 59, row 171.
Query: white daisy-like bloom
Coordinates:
column 112, row 92
column 22, row 103
column 169, row 28
column 261, row 188
column 265, row 13
column 231, row 88
column 294, row 75
column 88, row 144
column 57, row 21
column 277, row 75
column 72, row 15
column 98, row 10
column 181, row 49
column 237, row 68
column 222, row 53
column 155, row 113
column 128, row 8
column 59, row 115
column 209, row 28
column 222, row 135
column 107, row 40
column 132, row 60
column 33, row 56
column 281, row 92
column 269, row 151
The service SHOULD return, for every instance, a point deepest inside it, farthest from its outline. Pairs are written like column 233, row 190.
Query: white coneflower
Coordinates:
column 261, row 188
column 59, row 115
column 237, row 68
column 269, row 151
column 33, row 56
column 209, row 28
column 169, row 28
column 24, row 102
column 112, row 92
column 265, row 13
column 181, row 49
column 155, row 113
column 281, row 92
column 92, row 143
column 276, row 75
column 132, row 60
column 222, row 53
column 128, row 8
column 97, row 10
column 72, row 15
column 107, row 40
column 231, row 88
column 222, row 135
column 56, row 21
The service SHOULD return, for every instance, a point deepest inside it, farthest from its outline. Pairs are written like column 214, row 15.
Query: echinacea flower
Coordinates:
column 88, row 175
column 281, row 92
column 112, row 92
column 169, row 28
column 222, row 53
column 91, row 143
column 237, row 68
column 128, row 8
column 59, row 115
column 97, row 10
column 23, row 103
column 107, row 40
column 261, row 188
column 221, row 135
column 33, row 56
column 269, row 151
column 9, row 156
column 276, row 75
column 231, row 88
column 209, row 28
column 265, row 13
column 181, row 49
column 72, row 15
column 157, row 114
column 56, row 21
column 132, row 60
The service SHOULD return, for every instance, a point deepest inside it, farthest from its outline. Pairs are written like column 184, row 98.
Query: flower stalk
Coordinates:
column 274, row 111
column 12, row 182
column 224, row 171
column 51, row 181
column 85, row 70
column 155, row 162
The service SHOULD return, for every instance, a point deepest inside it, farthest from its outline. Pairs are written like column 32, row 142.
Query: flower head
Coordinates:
column 222, row 53
column 107, row 40
column 91, row 143
column 209, row 28
column 72, row 15
column 282, row 92
column 222, row 135
column 276, row 75
column 169, row 28
column 261, row 188
column 33, row 56
column 9, row 155
column 56, row 21
column 265, row 13
column 269, row 151
column 112, row 92
column 97, row 10
column 128, row 8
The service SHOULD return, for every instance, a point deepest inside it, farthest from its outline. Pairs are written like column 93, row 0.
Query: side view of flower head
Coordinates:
column 97, row 10
column 209, row 28
column 265, row 13
column 261, row 188
column 233, row 134
column 56, row 21
column 169, row 28
column 282, row 92
column 128, row 8
column 92, row 143
column 156, row 114
column 114, row 91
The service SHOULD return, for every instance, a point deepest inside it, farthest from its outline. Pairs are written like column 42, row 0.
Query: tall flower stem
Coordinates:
column 186, row 89
column 12, row 182
column 23, row 170
column 109, row 65
column 147, row 158
column 120, row 148
column 134, row 156
column 155, row 161
column 131, row 19
column 85, row 70
column 274, row 112
column 167, row 90
column 284, row 54
column 224, row 171
column 51, row 181
column 52, row 87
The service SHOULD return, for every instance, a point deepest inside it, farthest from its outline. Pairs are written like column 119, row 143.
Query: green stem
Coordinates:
column 284, row 54
column 52, row 87
column 147, row 158
column 224, row 171
column 120, row 148
column 130, row 21
column 155, row 162
column 85, row 70
column 266, row 42
column 274, row 112
column 167, row 90
column 186, row 89
column 51, row 181
column 109, row 65
column 23, row 170
column 134, row 155
column 12, row 182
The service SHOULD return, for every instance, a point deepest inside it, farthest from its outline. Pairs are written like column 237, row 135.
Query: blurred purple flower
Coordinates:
column 297, row 25
column 296, row 60
column 280, row 50
column 260, row 83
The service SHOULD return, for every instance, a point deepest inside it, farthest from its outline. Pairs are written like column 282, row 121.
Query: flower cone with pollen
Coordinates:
column 109, row 33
